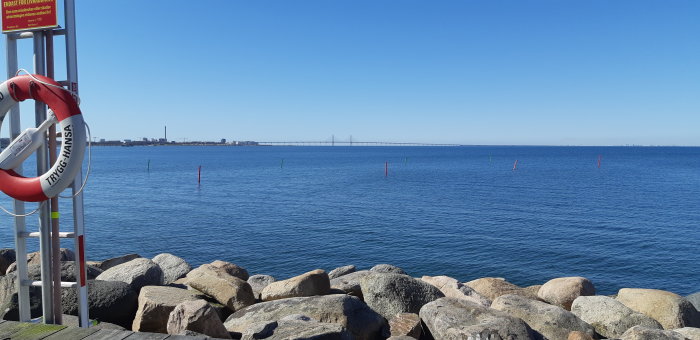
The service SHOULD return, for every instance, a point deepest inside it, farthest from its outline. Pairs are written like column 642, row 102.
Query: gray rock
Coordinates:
column 138, row 273
column 694, row 299
column 553, row 322
column 691, row 333
column 340, row 271
column 9, row 302
column 400, row 337
column 311, row 283
column 348, row 311
column 407, row 324
column 197, row 316
column 259, row 282
column 154, row 306
column 562, row 291
column 34, row 258
column 493, row 287
column 115, row 261
column 450, row 318
column 227, row 267
column 296, row 329
column 670, row 310
column 108, row 301
column 387, row 268
column 455, row 289
column 7, row 257
column 67, row 271
column 350, row 283
column 228, row 290
column 642, row 333
column 608, row 316
column 173, row 267
column 390, row 294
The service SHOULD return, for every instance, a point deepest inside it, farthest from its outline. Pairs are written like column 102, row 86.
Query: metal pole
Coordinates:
column 20, row 225
column 55, row 227
column 78, row 212
column 42, row 166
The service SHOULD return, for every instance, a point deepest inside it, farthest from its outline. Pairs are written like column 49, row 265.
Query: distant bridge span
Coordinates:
column 339, row 143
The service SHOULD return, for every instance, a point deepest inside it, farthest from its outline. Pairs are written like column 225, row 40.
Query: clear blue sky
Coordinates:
column 593, row 72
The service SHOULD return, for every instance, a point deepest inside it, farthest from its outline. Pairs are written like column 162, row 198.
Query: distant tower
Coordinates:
column 166, row 133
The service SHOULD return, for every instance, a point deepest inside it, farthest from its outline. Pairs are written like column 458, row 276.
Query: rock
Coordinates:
column 455, row 289
column 108, row 301
column 311, row 283
column 390, row 294
column 407, row 324
column 350, row 283
column 259, row 282
column 115, row 261
column 7, row 257
column 197, row 316
column 348, row 311
column 340, row 271
column 553, row 322
column 67, row 271
column 35, row 259
column 576, row 335
column 492, row 287
column 642, row 333
column 400, row 337
column 173, row 267
column 562, row 291
column 228, row 268
column 608, row 316
column 387, row 268
column 670, row 310
column 695, row 300
column 9, row 301
column 154, row 306
column 138, row 273
column 228, row 290
column 296, row 329
column 691, row 333
column 450, row 318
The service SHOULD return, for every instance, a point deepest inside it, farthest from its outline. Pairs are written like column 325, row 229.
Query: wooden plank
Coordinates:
column 187, row 337
column 8, row 328
column 36, row 331
column 75, row 333
column 108, row 334
column 146, row 336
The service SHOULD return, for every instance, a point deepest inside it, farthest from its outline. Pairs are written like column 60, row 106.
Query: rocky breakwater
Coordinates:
column 221, row 300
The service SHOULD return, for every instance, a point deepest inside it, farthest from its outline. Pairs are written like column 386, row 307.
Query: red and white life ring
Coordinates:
column 70, row 157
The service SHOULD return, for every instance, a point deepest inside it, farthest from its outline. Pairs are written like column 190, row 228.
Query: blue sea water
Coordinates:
column 457, row 211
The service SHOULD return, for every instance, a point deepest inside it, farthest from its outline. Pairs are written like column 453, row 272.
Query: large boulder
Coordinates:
column 34, row 258
column 225, row 268
column 493, row 287
column 455, row 289
column 228, row 290
column 348, row 311
column 340, row 271
column 312, row 283
column 296, row 329
column 197, row 316
column 68, row 270
column 350, row 283
column 694, row 299
column 643, row 333
column 173, row 267
column 562, row 291
column 9, row 300
column 115, row 261
column 154, row 306
column 407, row 324
column 450, row 318
column 608, row 316
column 258, row 282
column 138, row 273
column 108, row 301
column 691, row 333
column 387, row 268
column 391, row 294
column 553, row 322
column 7, row 257
column 669, row 309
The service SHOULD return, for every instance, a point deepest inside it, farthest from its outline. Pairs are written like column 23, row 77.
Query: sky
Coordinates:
column 487, row 72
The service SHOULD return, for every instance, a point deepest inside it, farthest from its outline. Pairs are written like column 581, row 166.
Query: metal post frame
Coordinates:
column 78, row 212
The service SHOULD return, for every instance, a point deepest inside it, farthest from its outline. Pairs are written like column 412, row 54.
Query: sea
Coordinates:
column 619, row 216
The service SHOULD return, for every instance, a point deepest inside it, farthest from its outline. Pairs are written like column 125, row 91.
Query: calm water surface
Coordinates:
column 457, row 211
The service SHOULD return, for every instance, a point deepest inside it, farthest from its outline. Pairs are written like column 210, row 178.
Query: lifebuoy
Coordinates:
column 70, row 157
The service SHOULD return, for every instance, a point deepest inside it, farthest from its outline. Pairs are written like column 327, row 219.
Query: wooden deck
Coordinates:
column 36, row 331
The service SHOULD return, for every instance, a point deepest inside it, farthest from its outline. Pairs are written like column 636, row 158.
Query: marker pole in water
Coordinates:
column 282, row 163
column 148, row 168
column 199, row 175
column 386, row 169
column 600, row 157
column 515, row 165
